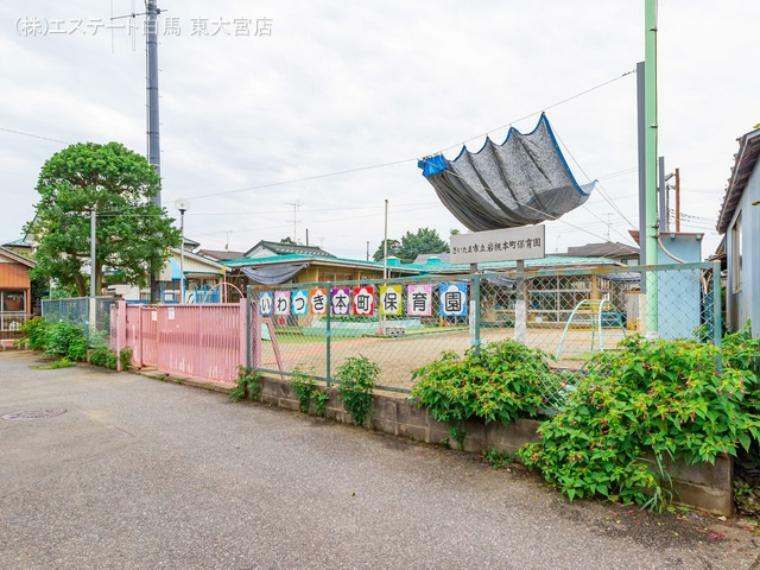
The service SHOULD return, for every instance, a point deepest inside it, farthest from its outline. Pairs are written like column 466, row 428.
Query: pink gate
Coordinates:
column 206, row 342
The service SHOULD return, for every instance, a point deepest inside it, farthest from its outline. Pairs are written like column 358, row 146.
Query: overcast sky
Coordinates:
column 340, row 85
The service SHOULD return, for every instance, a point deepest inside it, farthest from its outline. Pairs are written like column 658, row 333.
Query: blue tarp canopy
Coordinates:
column 524, row 180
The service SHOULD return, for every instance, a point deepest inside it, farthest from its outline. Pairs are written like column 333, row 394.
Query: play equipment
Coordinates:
column 609, row 319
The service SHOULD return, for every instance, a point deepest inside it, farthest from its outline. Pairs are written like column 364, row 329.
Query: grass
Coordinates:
column 55, row 365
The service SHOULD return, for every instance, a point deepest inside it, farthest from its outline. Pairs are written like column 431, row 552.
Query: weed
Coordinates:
column 498, row 459
column 304, row 387
column 125, row 356
column 356, row 377
column 248, row 386
column 320, row 403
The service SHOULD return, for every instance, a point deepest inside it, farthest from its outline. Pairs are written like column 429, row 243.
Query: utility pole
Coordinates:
column 650, row 113
column 182, row 207
column 367, row 250
column 151, row 75
column 151, row 64
column 385, row 243
column 662, row 190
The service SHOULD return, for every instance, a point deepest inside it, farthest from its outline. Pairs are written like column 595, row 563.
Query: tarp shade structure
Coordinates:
column 525, row 180
column 273, row 275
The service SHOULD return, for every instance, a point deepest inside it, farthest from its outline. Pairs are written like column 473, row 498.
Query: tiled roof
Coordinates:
column 220, row 254
column 604, row 249
column 284, row 248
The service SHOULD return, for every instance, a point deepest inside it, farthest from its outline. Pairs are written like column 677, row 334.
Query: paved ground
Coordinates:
column 144, row 474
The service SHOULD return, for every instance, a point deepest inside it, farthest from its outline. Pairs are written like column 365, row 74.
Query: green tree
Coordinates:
column 393, row 247
column 425, row 240
column 133, row 234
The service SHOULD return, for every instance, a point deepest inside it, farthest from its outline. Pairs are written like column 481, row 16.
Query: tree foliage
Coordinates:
column 393, row 248
column 424, row 240
column 133, row 234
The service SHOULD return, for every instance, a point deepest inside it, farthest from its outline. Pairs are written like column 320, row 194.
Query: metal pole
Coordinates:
column 151, row 50
column 641, row 132
column 678, row 200
column 474, row 315
column 182, row 257
column 328, row 334
column 367, row 250
column 663, row 195
column 650, row 113
column 385, row 243
column 521, row 306
column 92, row 308
column 717, row 312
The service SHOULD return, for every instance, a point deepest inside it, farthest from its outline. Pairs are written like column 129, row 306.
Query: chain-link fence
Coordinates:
column 76, row 310
column 402, row 324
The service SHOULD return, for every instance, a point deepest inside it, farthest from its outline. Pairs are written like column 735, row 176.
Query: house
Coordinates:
column 627, row 254
column 268, row 248
column 739, row 222
column 308, row 268
column 220, row 254
column 15, row 292
column 203, row 277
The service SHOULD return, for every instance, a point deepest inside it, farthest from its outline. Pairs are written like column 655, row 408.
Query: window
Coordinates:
column 736, row 254
column 12, row 301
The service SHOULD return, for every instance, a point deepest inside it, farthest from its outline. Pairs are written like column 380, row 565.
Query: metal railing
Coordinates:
column 402, row 324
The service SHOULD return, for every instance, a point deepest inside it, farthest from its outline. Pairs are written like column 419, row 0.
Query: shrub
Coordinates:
column 304, row 387
column 103, row 357
column 320, row 403
column 356, row 377
column 66, row 340
column 125, row 356
column 664, row 398
column 248, row 386
column 504, row 381
column 35, row 331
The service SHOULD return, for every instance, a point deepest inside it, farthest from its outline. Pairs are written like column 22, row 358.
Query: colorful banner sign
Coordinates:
column 318, row 300
column 453, row 297
column 390, row 300
column 364, row 301
column 282, row 303
column 340, row 300
column 419, row 300
column 266, row 302
column 299, row 302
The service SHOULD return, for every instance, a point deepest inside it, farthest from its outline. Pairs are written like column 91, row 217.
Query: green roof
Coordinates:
column 420, row 268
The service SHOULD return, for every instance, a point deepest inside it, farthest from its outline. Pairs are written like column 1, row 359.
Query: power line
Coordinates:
column 32, row 135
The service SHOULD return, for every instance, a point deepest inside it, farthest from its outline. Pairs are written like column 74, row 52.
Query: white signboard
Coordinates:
column 509, row 244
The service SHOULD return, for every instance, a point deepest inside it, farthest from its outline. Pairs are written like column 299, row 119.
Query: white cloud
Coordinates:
column 343, row 85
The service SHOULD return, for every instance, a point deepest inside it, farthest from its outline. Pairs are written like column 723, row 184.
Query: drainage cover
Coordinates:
column 26, row 415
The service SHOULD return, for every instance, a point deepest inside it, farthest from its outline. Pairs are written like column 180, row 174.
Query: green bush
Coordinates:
column 505, row 381
column 35, row 331
column 102, row 356
column 660, row 398
column 248, row 386
column 66, row 340
column 305, row 388
column 356, row 377
column 125, row 356
column 320, row 403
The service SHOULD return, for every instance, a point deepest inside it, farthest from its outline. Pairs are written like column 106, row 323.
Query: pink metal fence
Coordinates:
column 206, row 342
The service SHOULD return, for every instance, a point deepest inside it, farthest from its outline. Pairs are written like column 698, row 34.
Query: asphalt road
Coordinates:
column 139, row 473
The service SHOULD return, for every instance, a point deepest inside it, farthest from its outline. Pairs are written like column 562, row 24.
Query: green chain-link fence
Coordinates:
column 402, row 324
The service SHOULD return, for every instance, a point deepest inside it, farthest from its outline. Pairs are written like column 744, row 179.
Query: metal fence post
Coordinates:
column 717, row 312
column 328, row 334
column 475, row 311
column 521, row 308
column 249, row 298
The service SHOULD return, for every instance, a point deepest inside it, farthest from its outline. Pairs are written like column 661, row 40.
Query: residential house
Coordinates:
column 269, row 248
column 220, row 254
column 203, row 280
column 15, row 292
column 627, row 254
column 739, row 220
